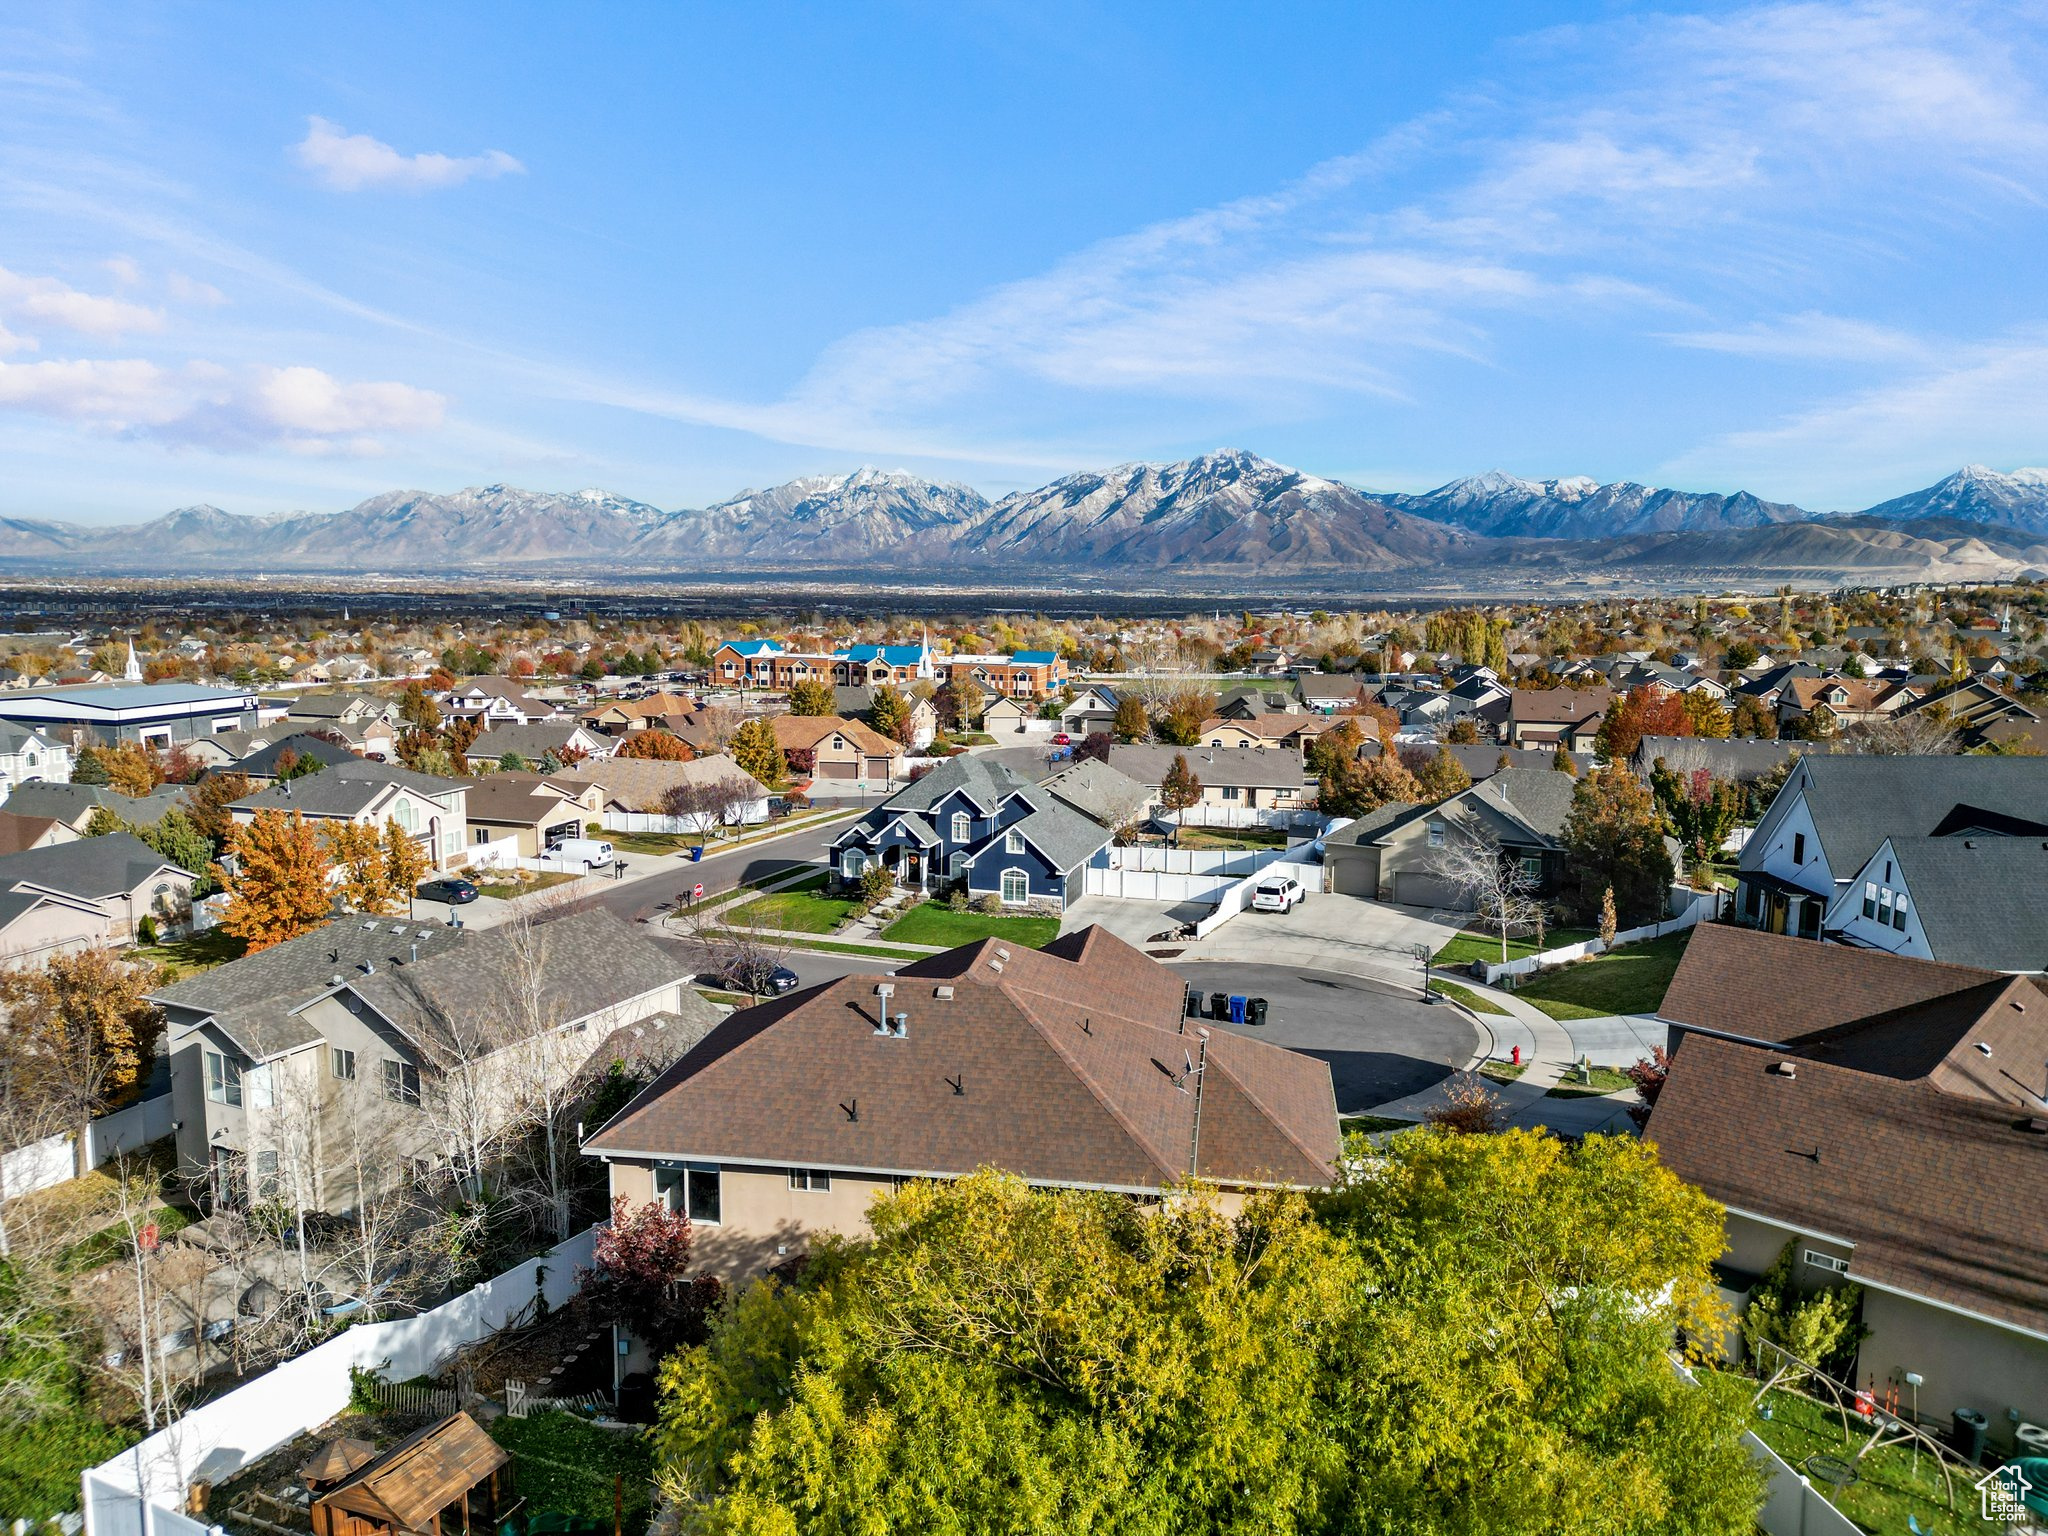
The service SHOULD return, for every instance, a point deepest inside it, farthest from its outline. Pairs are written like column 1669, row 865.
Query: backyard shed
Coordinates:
column 446, row 1479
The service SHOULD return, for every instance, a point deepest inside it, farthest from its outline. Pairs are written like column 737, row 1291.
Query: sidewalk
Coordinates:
column 1546, row 1047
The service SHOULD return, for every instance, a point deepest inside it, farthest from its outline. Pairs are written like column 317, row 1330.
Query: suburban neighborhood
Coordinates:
column 636, row 980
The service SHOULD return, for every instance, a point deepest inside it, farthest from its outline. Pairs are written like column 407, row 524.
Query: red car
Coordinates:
column 1062, row 739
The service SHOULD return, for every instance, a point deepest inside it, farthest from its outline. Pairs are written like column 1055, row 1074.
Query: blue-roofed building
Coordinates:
column 153, row 714
column 974, row 823
column 767, row 664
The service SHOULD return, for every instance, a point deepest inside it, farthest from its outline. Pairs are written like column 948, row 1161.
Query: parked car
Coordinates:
column 757, row 978
column 1278, row 893
column 1062, row 739
column 453, row 891
column 590, row 852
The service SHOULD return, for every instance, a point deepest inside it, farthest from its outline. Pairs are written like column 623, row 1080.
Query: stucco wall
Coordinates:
column 1965, row 1363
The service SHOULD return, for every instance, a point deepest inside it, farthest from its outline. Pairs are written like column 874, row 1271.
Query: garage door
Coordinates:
column 837, row 771
column 1355, row 873
column 1414, row 888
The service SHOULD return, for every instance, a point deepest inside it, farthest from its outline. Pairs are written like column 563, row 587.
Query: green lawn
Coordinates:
column 1503, row 1071
column 1230, row 837
column 651, row 842
column 1472, row 945
column 1633, row 979
column 188, row 957
column 803, row 908
column 1886, row 1489
column 1605, row 1080
column 933, row 922
column 879, row 951
column 568, row 1466
column 1366, row 1125
column 1477, row 1002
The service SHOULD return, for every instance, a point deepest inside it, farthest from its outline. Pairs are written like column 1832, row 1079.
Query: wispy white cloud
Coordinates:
column 203, row 405
column 44, row 301
column 1810, row 338
column 190, row 290
column 352, row 162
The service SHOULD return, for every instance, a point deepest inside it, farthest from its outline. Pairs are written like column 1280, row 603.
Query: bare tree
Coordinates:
column 1495, row 883
column 541, row 1062
column 1908, row 733
column 720, row 723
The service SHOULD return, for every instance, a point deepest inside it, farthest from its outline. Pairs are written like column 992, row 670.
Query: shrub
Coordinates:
column 956, row 900
column 990, row 905
column 145, row 930
column 875, row 885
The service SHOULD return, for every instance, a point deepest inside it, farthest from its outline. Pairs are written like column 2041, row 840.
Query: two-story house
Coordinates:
column 837, row 749
column 1022, row 674
column 326, row 1060
column 978, row 824
column 433, row 812
column 1543, row 717
column 1835, row 812
column 494, row 701
column 27, row 756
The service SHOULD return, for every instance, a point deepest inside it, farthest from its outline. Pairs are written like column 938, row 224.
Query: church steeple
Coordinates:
column 132, row 673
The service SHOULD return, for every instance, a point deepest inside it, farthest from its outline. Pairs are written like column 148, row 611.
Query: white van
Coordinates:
column 590, row 852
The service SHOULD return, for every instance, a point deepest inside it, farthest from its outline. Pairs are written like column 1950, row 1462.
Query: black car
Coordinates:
column 756, row 978
column 451, row 890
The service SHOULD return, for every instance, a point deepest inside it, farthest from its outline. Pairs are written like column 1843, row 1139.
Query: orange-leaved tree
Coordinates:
column 83, row 1031
column 278, row 889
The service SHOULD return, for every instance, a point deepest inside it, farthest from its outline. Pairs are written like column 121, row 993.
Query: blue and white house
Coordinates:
column 974, row 821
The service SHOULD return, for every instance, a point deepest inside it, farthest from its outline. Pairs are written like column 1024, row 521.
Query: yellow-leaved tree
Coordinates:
column 379, row 867
column 81, row 1032
column 278, row 888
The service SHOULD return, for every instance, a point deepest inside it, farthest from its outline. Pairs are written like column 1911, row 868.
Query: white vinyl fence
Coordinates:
column 498, row 853
column 753, row 813
column 36, row 1166
column 52, row 1160
column 218, row 1439
column 1236, row 897
column 1218, row 814
column 1792, row 1505
column 1176, row 874
column 1691, row 917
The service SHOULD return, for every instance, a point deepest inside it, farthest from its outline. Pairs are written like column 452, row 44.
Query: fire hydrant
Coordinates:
column 1517, row 1056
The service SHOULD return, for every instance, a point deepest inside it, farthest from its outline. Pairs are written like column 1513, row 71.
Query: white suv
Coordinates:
column 1281, row 893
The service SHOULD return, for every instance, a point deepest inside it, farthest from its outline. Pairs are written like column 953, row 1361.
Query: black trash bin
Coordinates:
column 1255, row 1011
column 1968, row 1436
column 1194, row 1004
column 1219, row 1005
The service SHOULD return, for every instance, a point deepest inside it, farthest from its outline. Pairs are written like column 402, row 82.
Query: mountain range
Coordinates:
column 1222, row 513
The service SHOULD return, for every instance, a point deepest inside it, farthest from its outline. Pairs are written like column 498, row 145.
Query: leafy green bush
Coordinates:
column 1816, row 1327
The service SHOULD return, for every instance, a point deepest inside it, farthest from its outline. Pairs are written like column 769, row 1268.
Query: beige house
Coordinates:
column 637, row 784
column 71, row 895
column 332, row 1065
column 1266, row 733
column 432, row 811
column 838, row 749
column 535, row 812
column 790, row 1118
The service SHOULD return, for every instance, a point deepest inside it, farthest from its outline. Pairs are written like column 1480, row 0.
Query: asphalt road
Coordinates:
column 633, row 900
column 1381, row 1044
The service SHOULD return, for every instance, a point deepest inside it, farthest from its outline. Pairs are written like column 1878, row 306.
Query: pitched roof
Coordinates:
column 803, row 733
column 1738, row 758
column 635, row 783
column 1980, row 901
column 262, row 762
column 1097, row 791
column 1925, row 1184
column 71, row 802
column 517, row 799
column 19, row 833
column 1856, row 802
column 86, row 867
column 346, row 788
column 1069, row 1061
column 1541, row 798
column 1245, row 767
column 421, row 1475
column 533, row 741
column 303, row 967
column 1557, row 706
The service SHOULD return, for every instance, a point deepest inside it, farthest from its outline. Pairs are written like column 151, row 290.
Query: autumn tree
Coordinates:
column 1614, row 837
column 698, row 804
column 950, row 705
column 279, row 886
column 416, row 708
column 890, row 714
column 664, row 746
column 1443, row 776
column 1180, row 714
column 1705, row 715
column 1462, row 732
column 755, row 749
column 1700, row 809
column 640, row 1278
column 1752, row 717
column 1179, row 789
column 80, row 1033
column 1563, row 761
column 1362, row 785
column 1644, row 711
column 1131, row 723
column 1337, row 746
column 812, row 696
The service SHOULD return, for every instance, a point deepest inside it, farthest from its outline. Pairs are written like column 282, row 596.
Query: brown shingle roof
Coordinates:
column 1557, row 706
column 1066, row 1062
column 802, row 733
column 1934, row 1191
column 1762, row 986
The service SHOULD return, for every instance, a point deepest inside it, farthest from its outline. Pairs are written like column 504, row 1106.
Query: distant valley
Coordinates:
column 1222, row 514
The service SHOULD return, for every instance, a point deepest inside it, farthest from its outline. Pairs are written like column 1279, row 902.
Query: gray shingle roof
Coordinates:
column 70, row 802
column 1062, row 834
column 345, row 789
column 1097, row 791
column 1245, row 767
column 1981, row 901
column 1736, row 758
column 532, row 742
column 303, row 967
column 90, row 867
column 262, row 763
column 1857, row 802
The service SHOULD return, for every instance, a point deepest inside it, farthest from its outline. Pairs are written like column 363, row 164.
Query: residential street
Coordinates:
column 635, row 898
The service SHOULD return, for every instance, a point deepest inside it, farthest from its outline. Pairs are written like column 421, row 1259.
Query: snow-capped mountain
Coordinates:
column 821, row 518
column 1501, row 505
column 406, row 528
column 1228, row 508
column 1975, row 494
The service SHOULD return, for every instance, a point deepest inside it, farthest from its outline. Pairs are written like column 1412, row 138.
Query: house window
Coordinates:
column 1013, row 842
column 1436, row 834
column 1869, row 898
column 810, row 1180
column 1016, row 888
column 851, row 863
column 256, row 1084
column 402, row 1082
column 451, row 844
column 223, row 1079
column 1798, row 847
column 480, row 834
column 963, row 826
column 266, row 1175
column 408, row 819
column 1827, row 1261
column 1899, row 913
column 1230, row 792
column 1532, row 865
column 689, row 1190
column 342, row 1063
column 956, row 866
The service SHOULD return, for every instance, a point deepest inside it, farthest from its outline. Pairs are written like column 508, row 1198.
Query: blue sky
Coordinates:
column 279, row 257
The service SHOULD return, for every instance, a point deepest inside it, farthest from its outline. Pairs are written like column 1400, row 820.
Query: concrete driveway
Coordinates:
column 1381, row 1044
column 1132, row 921
column 1332, row 932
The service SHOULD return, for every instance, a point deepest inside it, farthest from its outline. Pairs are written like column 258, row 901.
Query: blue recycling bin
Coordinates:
column 1237, row 1005
column 697, row 854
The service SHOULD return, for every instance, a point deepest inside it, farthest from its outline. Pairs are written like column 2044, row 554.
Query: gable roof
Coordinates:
column 1980, row 901
column 1067, row 1061
column 347, row 788
column 803, row 733
column 1557, row 706
column 1097, row 791
column 1856, row 802
column 261, row 763
column 509, row 798
column 87, row 867
column 1539, row 798
column 1739, row 758
column 20, row 833
column 421, row 1475
column 532, row 740
column 72, row 803
column 1245, row 767
column 635, row 783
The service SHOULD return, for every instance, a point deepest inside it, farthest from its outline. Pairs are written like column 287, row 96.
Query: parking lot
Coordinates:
column 1381, row 1043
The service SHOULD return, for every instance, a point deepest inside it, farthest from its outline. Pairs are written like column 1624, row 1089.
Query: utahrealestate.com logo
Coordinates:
column 2005, row 1495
